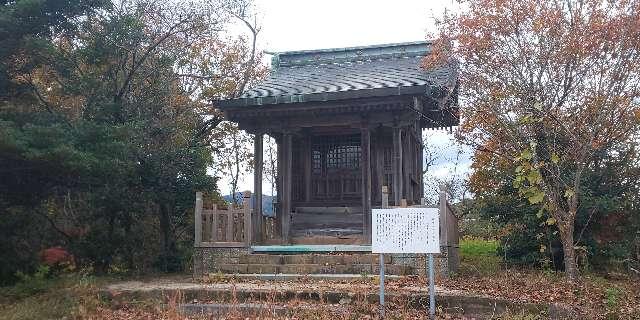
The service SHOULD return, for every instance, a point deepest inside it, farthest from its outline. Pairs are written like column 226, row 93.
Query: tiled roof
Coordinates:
column 347, row 73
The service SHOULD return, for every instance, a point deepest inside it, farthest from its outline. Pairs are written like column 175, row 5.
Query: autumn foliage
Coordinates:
column 547, row 87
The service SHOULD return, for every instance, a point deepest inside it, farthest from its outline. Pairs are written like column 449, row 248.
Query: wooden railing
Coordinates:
column 216, row 227
column 449, row 232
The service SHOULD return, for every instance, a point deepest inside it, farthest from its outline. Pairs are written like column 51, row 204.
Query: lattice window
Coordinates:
column 342, row 152
column 335, row 163
column 316, row 159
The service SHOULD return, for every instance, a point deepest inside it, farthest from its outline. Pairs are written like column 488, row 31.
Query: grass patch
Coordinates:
column 65, row 297
column 479, row 257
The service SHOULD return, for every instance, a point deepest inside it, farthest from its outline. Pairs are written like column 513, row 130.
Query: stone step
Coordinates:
column 311, row 269
column 338, row 277
column 321, row 259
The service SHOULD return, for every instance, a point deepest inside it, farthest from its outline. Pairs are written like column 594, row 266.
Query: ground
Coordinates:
column 482, row 274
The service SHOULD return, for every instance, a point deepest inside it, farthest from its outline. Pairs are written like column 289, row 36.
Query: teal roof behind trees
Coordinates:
column 349, row 73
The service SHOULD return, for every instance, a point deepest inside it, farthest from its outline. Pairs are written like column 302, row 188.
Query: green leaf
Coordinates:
column 533, row 177
column 526, row 154
column 569, row 193
column 536, row 197
column 551, row 221
column 538, row 106
column 540, row 213
column 555, row 158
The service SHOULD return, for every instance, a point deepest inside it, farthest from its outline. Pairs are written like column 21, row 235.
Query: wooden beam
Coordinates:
column 273, row 123
column 365, row 164
column 397, row 165
column 257, row 186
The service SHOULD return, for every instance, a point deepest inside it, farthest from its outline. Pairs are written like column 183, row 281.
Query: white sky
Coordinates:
column 301, row 25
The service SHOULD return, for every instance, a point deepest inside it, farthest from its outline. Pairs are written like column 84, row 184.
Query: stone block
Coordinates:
column 261, row 259
column 262, row 268
column 328, row 259
column 298, row 259
column 231, row 268
column 300, row 268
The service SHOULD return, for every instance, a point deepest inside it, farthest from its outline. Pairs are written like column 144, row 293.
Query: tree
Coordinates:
column 456, row 178
column 546, row 85
column 233, row 155
column 108, row 139
column 271, row 166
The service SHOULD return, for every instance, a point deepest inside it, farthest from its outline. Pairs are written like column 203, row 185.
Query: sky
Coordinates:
column 302, row 25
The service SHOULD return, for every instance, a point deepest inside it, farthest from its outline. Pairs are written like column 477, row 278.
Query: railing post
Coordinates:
column 385, row 197
column 246, row 207
column 444, row 239
column 198, row 220
column 214, row 223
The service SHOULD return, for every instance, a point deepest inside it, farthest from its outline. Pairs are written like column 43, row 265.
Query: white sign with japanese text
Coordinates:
column 405, row 230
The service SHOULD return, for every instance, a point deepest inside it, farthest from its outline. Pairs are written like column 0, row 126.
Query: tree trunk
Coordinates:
column 168, row 245
column 566, row 237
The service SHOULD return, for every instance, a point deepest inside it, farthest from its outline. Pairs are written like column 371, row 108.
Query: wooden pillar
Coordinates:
column 420, row 166
column 279, row 191
column 365, row 164
column 307, row 157
column 257, row 187
column 444, row 224
column 286, row 185
column 378, row 159
column 397, row 165
column 406, row 164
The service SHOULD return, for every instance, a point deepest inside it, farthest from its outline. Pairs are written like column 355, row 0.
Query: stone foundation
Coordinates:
column 208, row 260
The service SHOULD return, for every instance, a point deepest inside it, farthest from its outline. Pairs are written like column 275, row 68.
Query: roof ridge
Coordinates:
column 360, row 53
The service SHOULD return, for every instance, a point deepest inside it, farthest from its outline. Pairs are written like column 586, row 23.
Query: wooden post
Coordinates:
column 279, row 189
column 420, row 166
column 229, row 233
column 443, row 216
column 214, row 223
column 406, row 165
column 307, row 158
column 365, row 163
column 198, row 220
column 246, row 207
column 257, row 187
column 286, row 186
column 385, row 197
column 397, row 165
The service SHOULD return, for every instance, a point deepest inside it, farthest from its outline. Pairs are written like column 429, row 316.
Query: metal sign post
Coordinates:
column 432, row 289
column 406, row 230
column 382, row 285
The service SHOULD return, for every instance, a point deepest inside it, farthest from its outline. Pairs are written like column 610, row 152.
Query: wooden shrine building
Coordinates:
column 346, row 121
